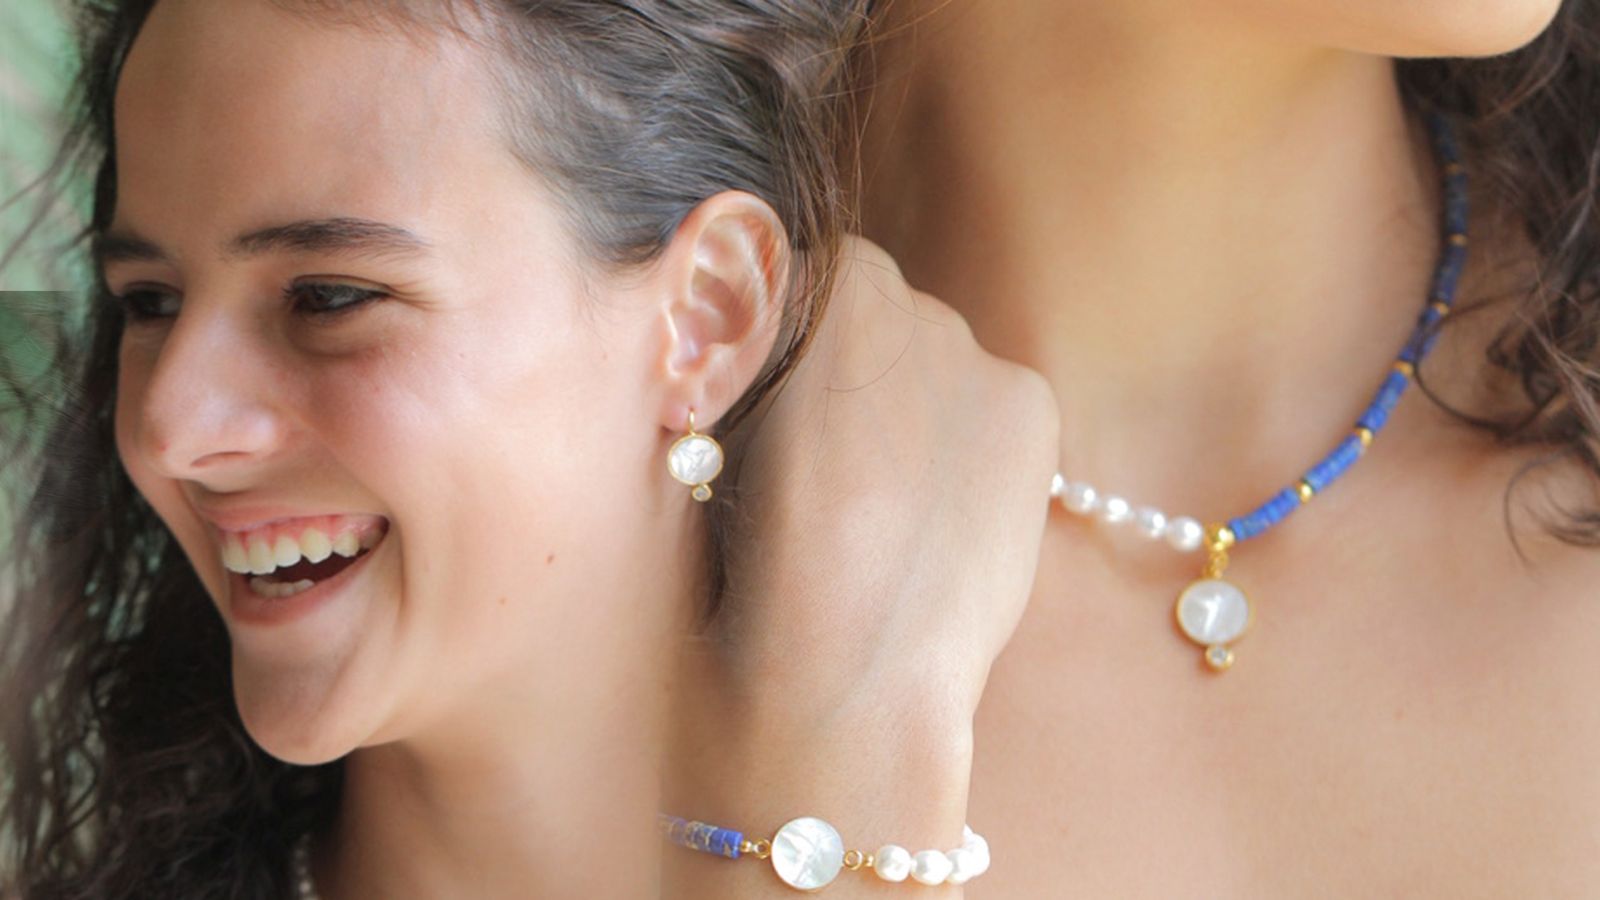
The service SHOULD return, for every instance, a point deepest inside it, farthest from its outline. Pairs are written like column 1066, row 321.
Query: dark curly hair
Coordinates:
column 1530, row 126
column 129, row 770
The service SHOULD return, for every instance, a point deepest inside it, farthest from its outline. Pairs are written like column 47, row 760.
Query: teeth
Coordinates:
column 234, row 557
column 286, row 552
column 315, row 545
column 279, row 589
column 261, row 561
column 347, row 544
column 257, row 557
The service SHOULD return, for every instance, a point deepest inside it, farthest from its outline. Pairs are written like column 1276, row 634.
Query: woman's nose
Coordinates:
column 210, row 400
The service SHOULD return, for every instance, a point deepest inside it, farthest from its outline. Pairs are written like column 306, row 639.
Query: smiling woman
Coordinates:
column 355, row 523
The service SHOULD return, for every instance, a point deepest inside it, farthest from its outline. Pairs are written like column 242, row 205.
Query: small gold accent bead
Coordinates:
column 1219, row 536
column 1304, row 489
column 1440, row 307
column 855, row 860
column 1405, row 368
column 1454, row 168
column 761, row 849
column 1365, row 434
column 1460, row 240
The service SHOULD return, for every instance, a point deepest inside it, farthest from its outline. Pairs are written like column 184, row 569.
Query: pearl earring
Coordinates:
column 695, row 459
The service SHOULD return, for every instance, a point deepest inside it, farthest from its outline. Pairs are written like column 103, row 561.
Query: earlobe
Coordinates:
column 725, row 275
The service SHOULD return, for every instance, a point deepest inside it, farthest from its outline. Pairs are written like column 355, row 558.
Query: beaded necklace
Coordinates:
column 1213, row 612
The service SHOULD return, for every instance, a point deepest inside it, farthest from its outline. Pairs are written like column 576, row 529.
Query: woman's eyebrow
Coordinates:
column 343, row 235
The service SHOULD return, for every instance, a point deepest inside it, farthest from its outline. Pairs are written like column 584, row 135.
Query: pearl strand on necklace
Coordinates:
column 300, row 869
column 1182, row 533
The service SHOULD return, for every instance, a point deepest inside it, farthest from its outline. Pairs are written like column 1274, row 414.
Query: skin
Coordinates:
column 1209, row 227
column 494, row 677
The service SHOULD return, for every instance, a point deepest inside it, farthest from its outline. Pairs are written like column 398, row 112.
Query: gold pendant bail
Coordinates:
column 1219, row 538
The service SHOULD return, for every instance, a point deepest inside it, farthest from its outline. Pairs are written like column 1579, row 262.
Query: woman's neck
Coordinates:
column 1203, row 236
column 545, row 781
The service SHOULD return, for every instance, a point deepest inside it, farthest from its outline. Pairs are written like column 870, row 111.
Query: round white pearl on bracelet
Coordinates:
column 931, row 867
column 1183, row 533
column 892, row 862
column 963, row 865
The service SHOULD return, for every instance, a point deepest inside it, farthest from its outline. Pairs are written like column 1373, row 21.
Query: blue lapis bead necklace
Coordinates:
column 1212, row 611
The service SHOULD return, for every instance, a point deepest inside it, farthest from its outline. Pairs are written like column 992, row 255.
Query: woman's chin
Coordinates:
column 1491, row 29
column 1494, row 29
column 298, row 719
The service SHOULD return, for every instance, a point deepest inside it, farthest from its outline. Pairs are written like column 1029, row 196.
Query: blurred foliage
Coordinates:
column 38, row 215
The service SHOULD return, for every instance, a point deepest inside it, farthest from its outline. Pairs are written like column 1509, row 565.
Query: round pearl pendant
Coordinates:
column 1213, row 613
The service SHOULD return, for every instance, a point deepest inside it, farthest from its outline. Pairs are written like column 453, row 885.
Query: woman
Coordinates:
column 1210, row 226
column 357, row 521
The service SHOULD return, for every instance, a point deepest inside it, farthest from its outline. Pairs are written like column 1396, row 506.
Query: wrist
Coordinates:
column 879, row 772
column 885, row 757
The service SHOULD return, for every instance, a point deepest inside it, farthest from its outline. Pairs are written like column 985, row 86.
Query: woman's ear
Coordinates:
column 722, row 280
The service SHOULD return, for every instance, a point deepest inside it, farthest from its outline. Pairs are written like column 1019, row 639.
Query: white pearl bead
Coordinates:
column 931, row 867
column 979, row 848
column 1151, row 522
column 1185, row 533
column 1080, row 497
column 1058, row 483
column 963, row 865
column 892, row 862
column 1115, row 510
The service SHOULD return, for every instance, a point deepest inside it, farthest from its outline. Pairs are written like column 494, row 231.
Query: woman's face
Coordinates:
column 1394, row 27
column 487, row 417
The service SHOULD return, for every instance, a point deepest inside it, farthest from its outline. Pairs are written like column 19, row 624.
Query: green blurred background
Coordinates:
column 36, row 62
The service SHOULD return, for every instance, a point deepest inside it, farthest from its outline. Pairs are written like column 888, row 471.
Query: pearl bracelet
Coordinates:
column 807, row 853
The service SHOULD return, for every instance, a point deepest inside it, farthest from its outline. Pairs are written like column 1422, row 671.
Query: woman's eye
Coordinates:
column 317, row 300
column 141, row 304
column 326, row 300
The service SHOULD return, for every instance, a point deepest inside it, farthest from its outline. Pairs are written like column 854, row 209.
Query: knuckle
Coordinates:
column 935, row 311
column 868, row 254
column 1035, row 403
